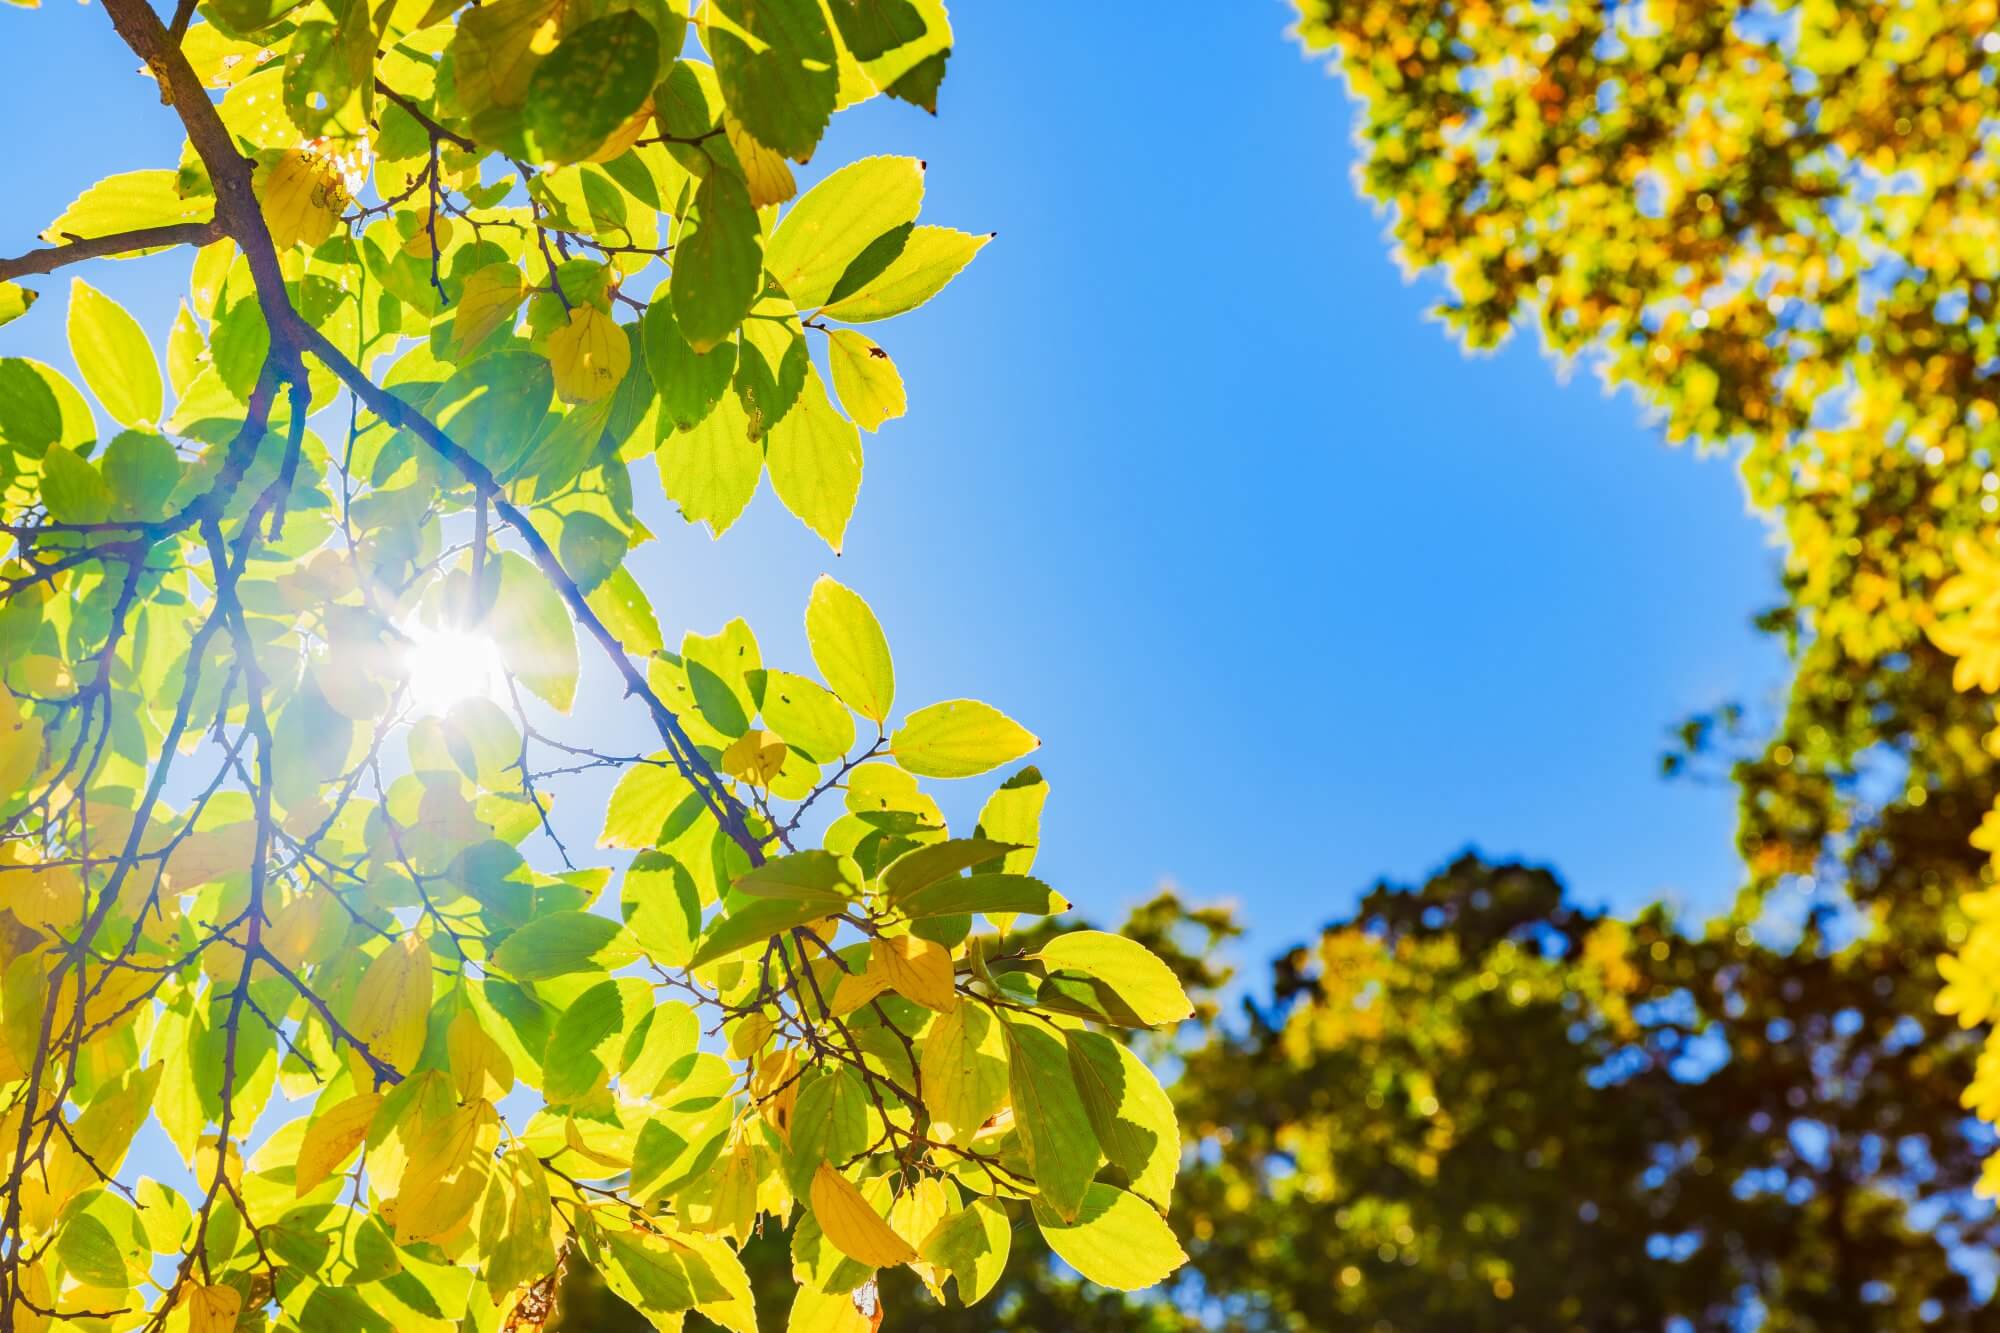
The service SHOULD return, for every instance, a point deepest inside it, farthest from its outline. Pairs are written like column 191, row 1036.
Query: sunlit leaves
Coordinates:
column 1141, row 983
column 718, row 262
column 870, row 387
column 15, row 301
column 1114, row 1238
column 115, row 356
column 357, row 568
column 775, row 61
column 593, row 81
column 959, row 739
column 836, row 221
column 850, row 650
column 815, row 459
column 927, row 260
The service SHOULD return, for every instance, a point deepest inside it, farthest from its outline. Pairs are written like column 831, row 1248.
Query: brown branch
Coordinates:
column 79, row 248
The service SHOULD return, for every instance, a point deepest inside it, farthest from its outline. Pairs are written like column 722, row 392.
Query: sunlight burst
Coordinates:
column 449, row 666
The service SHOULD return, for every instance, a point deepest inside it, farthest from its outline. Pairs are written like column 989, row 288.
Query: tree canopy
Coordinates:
column 293, row 605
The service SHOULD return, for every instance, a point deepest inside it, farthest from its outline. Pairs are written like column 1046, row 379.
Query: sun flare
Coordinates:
column 448, row 666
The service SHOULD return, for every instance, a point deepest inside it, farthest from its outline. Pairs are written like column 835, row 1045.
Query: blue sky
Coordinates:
column 1296, row 594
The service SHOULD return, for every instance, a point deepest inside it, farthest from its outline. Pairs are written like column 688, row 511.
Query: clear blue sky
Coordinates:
column 1296, row 594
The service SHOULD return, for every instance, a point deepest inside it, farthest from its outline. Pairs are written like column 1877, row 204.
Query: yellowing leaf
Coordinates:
column 765, row 169
column 302, row 196
column 917, row 969
column 959, row 739
column 20, row 749
column 756, row 756
column 589, row 354
column 115, row 357
column 1116, row 1239
column 867, row 381
column 849, row 649
column 486, row 302
column 1138, row 978
column 930, row 258
column 837, row 220
column 854, row 1227
column 964, row 1067
column 330, row 1137
column 213, row 1308
column 814, row 455
column 393, row 1003
column 126, row 202
column 14, row 301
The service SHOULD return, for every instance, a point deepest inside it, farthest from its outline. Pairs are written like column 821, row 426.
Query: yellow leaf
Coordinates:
column 330, row 1137
column 213, row 1309
column 589, row 355
column 916, row 969
column 20, row 749
column 480, row 1070
column 870, row 387
column 446, row 1174
column 855, row 1228
column 302, row 197
column 489, row 299
column 308, row 929
column 393, row 1004
column 756, row 757
column 964, row 1067
column 764, row 169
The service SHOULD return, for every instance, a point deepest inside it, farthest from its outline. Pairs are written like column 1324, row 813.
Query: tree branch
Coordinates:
column 79, row 248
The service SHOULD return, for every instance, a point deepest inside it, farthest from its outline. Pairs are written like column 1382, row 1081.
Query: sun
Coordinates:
column 449, row 666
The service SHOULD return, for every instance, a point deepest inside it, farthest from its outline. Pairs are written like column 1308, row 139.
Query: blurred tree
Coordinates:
column 1773, row 220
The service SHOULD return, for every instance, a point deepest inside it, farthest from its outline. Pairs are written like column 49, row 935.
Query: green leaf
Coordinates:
column 564, row 942
column 1013, row 813
column 116, row 359
column 31, row 419
column 972, row 1246
column 752, row 923
column 829, row 1124
column 1131, row 1113
column 936, row 861
column 493, row 406
column 127, row 202
column 593, row 82
column 812, row 877
column 775, row 62
column 627, row 612
column 1145, row 984
column 15, row 300
column 804, row 713
column 964, row 1067
column 715, row 665
column 815, row 459
column 1055, row 1126
column 72, row 488
column 1114, row 1239
column 532, row 629
column 931, row 258
column 141, row 471
column 662, row 908
column 984, row 893
column 690, row 383
column 589, row 548
column 242, row 341
column 836, row 220
column 771, row 369
column 574, row 1065
column 645, row 796
column 711, row 471
column 850, row 650
column 719, row 266
column 959, row 738
column 653, row 1274
column 869, row 386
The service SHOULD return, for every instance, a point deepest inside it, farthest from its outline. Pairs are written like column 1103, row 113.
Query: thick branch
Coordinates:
column 79, row 248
